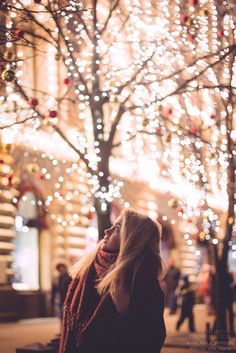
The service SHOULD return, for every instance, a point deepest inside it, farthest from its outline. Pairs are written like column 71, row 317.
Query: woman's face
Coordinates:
column 111, row 240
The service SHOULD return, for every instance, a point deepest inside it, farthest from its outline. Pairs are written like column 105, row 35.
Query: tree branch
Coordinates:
column 112, row 9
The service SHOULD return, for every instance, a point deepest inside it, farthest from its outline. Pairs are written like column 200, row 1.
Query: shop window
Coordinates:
column 26, row 253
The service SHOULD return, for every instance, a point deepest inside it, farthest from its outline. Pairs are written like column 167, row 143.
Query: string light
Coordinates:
column 164, row 139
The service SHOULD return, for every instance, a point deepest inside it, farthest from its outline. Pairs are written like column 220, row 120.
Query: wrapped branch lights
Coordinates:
column 147, row 81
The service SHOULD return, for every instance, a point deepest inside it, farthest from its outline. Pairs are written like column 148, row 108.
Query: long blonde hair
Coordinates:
column 138, row 234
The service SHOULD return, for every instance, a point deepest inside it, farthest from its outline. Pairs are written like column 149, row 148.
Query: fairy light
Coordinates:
column 169, row 153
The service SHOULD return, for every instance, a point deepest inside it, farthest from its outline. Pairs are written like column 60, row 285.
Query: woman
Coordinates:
column 115, row 303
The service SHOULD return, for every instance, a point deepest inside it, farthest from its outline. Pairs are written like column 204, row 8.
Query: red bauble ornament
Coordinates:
column 194, row 2
column 159, row 131
column 41, row 176
column 10, row 177
column 213, row 116
column 179, row 210
column 163, row 166
column 1, row 161
column 52, row 113
column 169, row 111
column 33, row 102
column 90, row 215
column 193, row 129
column 67, row 81
column 183, row 19
column 37, row 1
column 220, row 34
column 203, row 207
column 190, row 37
column 19, row 33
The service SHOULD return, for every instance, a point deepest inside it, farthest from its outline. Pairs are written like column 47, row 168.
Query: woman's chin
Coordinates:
column 108, row 248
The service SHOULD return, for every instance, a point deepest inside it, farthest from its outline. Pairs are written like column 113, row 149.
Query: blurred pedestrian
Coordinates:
column 62, row 285
column 211, row 294
column 229, row 300
column 187, row 299
column 171, row 281
column 206, row 290
column 115, row 303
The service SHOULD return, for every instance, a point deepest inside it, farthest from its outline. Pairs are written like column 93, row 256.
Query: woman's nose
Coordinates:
column 108, row 232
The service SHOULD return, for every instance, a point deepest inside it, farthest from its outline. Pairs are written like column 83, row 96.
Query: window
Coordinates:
column 26, row 253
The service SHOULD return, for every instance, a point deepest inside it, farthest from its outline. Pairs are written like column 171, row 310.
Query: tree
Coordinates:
column 145, row 80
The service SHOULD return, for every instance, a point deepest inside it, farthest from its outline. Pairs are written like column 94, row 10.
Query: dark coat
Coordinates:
column 63, row 284
column 172, row 278
column 140, row 330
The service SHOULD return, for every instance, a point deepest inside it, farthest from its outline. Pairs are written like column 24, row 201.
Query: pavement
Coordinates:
column 43, row 330
column 195, row 341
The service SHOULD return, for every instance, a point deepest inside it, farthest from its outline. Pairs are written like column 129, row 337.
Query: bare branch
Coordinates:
column 81, row 155
column 112, row 9
column 17, row 122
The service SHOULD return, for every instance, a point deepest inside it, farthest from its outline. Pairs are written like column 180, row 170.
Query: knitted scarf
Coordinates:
column 83, row 302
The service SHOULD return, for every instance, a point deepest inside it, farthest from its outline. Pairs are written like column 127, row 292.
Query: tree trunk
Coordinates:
column 101, row 204
column 103, row 217
column 221, row 305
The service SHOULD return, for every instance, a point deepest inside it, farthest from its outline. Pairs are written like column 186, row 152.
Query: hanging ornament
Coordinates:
column 33, row 168
column 220, row 34
column 145, row 122
column 10, row 179
column 202, row 236
column 19, row 33
column 203, row 207
column 90, row 215
column 173, row 203
column 2, row 65
column 190, row 37
column 114, row 99
column 52, row 113
column 159, row 131
column 68, row 81
column 194, row 2
column 37, row 1
column 213, row 116
column 9, row 55
column 33, row 102
column 193, row 129
column 166, row 138
column 163, row 166
column 184, row 19
column 8, row 75
column 57, row 56
column 231, row 220
column 169, row 111
column 2, row 161
column 40, row 176
column 7, row 147
column 179, row 211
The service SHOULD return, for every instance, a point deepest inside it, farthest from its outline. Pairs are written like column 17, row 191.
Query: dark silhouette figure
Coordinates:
column 188, row 300
column 171, row 281
column 226, row 293
column 229, row 302
column 62, row 285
